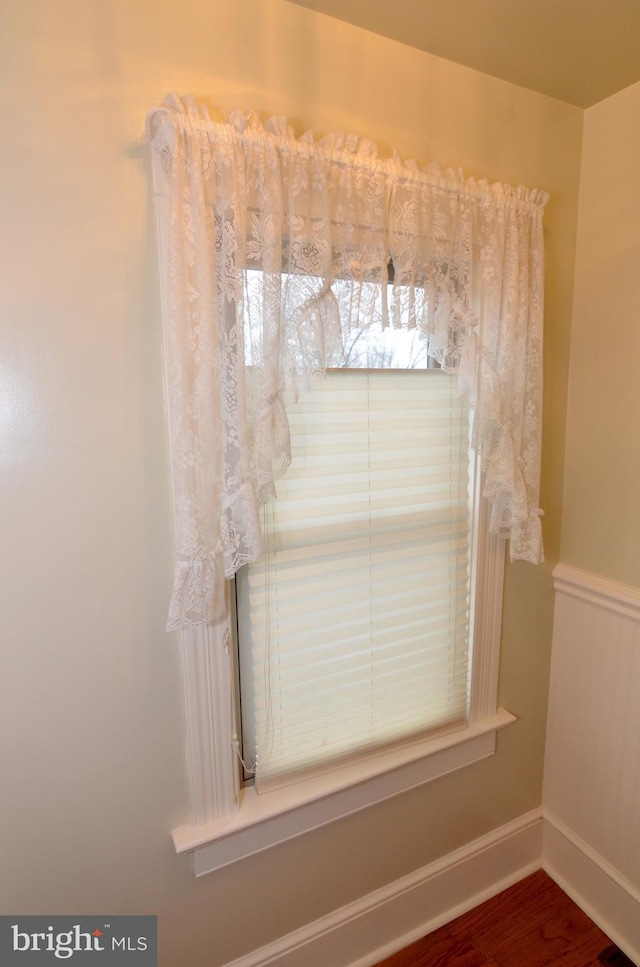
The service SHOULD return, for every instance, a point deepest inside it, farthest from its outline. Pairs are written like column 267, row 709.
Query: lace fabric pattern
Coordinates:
column 275, row 255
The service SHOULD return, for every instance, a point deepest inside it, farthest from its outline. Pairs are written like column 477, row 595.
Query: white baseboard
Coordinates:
column 365, row 932
column 605, row 895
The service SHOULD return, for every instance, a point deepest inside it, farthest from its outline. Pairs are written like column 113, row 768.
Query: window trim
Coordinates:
column 264, row 820
column 230, row 822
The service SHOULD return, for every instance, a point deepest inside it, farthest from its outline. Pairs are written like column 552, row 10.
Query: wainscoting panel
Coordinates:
column 592, row 767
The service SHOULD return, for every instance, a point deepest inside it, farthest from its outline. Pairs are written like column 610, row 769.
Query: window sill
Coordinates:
column 264, row 820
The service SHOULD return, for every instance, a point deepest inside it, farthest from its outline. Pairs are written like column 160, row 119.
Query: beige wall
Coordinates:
column 601, row 526
column 92, row 768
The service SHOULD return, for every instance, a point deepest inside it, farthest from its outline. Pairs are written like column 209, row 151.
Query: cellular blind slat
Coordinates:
column 353, row 625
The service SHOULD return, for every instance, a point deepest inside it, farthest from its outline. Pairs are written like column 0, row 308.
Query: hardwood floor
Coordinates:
column 532, row 924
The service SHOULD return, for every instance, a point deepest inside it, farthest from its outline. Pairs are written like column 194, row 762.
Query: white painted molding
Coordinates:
column 213, row 771
column 488, row 586
column 262, row 821
column 363, row 933
column 606, row 896
column 619, row 598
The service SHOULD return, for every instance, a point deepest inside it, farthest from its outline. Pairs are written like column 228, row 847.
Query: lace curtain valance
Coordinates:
column 275, row 255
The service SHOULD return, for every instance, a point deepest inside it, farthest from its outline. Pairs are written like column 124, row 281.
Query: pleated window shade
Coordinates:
column 354, row 624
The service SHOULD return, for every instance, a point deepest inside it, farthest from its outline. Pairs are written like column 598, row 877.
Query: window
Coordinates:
column 354, row 623
column 287, row 807
column 369, row 629
column 318, row 223
column 368, row 632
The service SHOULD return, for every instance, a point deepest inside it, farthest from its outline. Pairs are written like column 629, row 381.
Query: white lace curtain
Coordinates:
column 275, row 254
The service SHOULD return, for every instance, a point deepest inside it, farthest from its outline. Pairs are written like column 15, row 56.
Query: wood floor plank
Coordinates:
column 569, row 930
column 438, row 949
column 416, row 952
column 584, row 953
column 507, row 918
column 532, row 924
column 526, row 891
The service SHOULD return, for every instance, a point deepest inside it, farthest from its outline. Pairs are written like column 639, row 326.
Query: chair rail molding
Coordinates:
column 622, row 599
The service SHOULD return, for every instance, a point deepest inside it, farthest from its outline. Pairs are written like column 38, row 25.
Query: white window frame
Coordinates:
column 231, row 821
